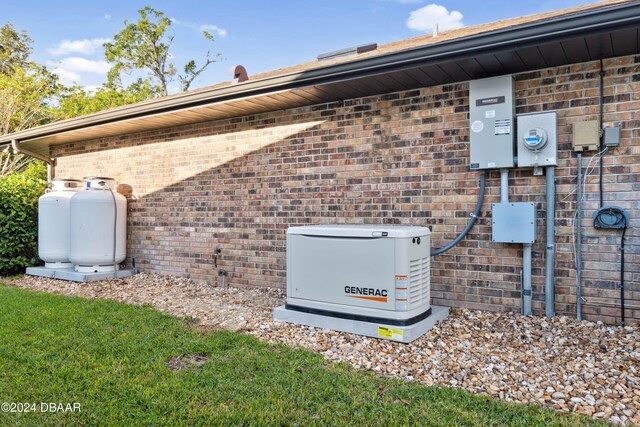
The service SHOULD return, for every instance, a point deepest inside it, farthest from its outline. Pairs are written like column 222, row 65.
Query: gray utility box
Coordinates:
column 514, row 222
column 491, row 112
column 537, row 140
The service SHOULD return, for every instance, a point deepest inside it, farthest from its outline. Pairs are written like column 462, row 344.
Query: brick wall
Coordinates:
column 398, row 158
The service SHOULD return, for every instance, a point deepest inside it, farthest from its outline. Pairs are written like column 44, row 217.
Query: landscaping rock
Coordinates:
column 561, row 363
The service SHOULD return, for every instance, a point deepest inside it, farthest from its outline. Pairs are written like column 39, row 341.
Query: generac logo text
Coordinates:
column 370, row 294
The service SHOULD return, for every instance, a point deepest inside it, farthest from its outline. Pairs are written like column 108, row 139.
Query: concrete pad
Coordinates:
column 404, row 334
column 74, row 276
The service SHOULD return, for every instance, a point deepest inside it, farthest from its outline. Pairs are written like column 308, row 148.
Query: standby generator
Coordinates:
column 367, row 279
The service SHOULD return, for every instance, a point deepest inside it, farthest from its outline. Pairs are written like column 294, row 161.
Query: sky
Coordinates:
column 260, row 35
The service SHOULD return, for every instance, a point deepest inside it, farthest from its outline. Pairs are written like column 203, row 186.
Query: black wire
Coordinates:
column 624, row 230
column 601, row 131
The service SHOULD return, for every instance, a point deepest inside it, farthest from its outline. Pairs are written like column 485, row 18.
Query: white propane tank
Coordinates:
column 54, row 244
column 92, row 226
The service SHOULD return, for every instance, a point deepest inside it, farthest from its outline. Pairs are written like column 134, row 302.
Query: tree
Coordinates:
column 19, row 193
column 25, row 89
column 15, row 48
column 23, row 104
column 76, row 101
column 146, row 45
column 23, row 98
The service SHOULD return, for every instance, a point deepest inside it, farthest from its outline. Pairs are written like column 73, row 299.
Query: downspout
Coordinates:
column 549, row 288
column 51, row 163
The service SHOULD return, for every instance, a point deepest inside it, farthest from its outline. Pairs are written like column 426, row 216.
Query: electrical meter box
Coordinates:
column 491, row 113
column 537, row 142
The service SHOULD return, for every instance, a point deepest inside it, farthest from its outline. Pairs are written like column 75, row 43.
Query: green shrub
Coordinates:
column 19, row 194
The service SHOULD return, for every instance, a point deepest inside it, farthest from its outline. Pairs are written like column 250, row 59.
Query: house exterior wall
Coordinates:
column 397, row 158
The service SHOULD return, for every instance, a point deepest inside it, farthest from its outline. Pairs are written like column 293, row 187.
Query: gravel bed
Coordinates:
column 585, row 367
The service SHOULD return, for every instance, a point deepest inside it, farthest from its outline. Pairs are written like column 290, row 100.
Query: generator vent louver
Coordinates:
column 419, row 282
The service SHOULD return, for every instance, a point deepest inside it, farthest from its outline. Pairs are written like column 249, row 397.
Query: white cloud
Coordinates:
column 84, row 65
column 70, row 70
column 84, row 46
column 423, row 19
column 204, row 27
column 213, row 29
column 67, row 77
column 106, row 17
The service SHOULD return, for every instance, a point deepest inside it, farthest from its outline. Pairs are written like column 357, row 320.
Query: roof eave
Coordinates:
column 592, row 21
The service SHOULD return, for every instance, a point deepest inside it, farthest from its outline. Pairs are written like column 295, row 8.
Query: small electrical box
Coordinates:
column 513, row 222
column 537, row 141
column 611, row 136
column 491, row 112
column 586, row 136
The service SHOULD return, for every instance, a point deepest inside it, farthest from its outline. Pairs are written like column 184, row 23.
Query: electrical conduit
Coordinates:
column 474, row 217
column 549, row 287
column 526, row 250
column 579, row 242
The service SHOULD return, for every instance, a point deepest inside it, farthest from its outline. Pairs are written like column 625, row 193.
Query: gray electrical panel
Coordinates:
column 491, row 112
column 612, row 136
column 537, row 140
column 513, row 222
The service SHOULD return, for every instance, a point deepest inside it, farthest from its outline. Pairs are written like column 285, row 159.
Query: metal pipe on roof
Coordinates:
column 51, row 163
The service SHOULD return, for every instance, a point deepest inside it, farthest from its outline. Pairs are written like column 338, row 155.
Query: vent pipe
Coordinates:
column 435, row 29
column 239, row 75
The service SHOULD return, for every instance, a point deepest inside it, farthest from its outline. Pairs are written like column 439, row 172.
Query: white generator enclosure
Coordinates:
column 367, row 279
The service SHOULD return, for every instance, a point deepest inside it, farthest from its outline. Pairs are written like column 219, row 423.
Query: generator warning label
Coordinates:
column 503, row 127
column 391, row 333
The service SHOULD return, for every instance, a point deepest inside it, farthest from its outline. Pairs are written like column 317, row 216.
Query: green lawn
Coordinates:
column 112, row 359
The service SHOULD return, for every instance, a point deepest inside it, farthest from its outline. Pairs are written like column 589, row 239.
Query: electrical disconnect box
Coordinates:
column 611, row 137
column 537, row 140
column 491, row 112
column 513, row 222
column 586, row 135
